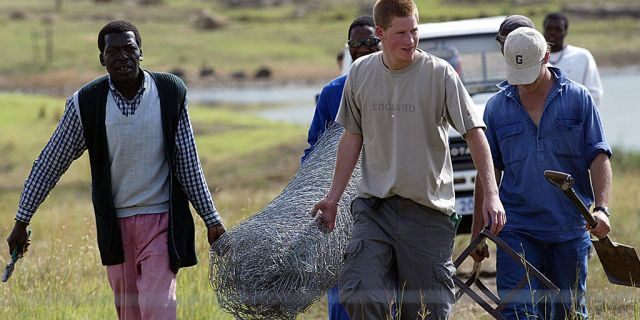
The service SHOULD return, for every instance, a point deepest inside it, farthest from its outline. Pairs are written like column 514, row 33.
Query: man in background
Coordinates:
column 575, row 62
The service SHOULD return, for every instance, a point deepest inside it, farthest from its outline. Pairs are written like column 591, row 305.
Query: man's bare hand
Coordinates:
column 493, row 211
column 325, row 212
column 481, row 252
column 602, row 227
column 214, row 232
column 19, row 238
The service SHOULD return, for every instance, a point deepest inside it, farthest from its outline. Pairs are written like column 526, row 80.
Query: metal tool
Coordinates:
column 619, row 261
column 491, row 299
column 8, row 270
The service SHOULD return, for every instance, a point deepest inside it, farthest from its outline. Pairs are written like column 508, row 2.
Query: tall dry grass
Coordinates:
column 247, row 162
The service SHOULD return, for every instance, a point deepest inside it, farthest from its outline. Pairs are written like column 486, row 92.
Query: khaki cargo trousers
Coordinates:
column 398, row 262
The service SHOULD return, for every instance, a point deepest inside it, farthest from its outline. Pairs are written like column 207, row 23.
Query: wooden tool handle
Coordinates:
column 583, row 209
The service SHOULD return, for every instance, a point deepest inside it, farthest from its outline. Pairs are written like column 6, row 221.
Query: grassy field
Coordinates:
column 296, row 41
column 247, row 162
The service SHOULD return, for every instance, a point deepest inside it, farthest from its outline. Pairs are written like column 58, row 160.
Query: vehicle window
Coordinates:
column 477, row 59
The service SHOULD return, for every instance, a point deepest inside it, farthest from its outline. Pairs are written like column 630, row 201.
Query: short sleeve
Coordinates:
column 459, row 105
column 349, row 113
column 595, row 142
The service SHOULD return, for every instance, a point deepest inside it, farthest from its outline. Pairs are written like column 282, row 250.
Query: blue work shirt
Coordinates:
column 326, row 110
column 568, row 137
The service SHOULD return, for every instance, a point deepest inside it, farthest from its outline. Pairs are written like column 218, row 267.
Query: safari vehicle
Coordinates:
column 470, row 47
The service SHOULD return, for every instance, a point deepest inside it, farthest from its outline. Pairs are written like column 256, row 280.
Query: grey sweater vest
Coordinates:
column 92, row 101
column 139, row 168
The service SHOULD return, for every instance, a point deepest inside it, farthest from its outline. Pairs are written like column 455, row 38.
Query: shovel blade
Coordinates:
column 619, row 261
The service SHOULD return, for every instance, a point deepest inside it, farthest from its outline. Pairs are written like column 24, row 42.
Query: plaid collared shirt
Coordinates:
column 126, row 106
column 67, row 144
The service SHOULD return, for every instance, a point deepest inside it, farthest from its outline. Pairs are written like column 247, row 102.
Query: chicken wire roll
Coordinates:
column 278, row 262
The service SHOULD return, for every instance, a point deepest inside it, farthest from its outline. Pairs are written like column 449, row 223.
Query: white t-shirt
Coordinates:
column 404, row 117
column 578, row 65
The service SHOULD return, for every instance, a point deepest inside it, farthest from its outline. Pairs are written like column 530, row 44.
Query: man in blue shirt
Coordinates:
column 362, row 41
column 541, row 120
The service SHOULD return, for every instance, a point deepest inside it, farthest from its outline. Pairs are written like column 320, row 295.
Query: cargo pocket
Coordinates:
column 350, row 268
column 353, row 248
column 444, row 275
column 349, row 279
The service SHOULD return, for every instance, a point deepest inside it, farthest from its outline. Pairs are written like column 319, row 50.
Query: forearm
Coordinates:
column 348, row 154
column 478, row 202
column 478, row 198
column 197, row 191
column 601, row 179
column 481, row 156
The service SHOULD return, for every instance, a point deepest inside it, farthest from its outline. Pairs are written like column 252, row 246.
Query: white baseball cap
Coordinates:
column 524, row 51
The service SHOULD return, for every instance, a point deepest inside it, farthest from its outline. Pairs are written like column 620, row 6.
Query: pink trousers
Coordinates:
column 144, row 287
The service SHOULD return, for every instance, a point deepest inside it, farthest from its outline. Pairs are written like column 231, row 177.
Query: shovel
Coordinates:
column 619, row 261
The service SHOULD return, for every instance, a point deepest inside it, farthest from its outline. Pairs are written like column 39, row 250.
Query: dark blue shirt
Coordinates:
column 568, row 137
column 326, row 111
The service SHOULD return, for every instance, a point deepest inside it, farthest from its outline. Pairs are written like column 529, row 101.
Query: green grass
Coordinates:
column 295, row 41
column 247, row 162
column 61, row 276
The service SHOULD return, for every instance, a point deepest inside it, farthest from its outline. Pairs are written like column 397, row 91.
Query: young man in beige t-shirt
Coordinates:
column 397, row 106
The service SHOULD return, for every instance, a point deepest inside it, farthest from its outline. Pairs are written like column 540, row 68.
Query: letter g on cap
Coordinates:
column 519, row 59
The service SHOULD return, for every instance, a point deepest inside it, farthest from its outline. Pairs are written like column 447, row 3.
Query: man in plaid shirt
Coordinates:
column 145, row 169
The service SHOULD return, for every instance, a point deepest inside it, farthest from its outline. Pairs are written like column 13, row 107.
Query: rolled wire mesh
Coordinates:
column 275, row 264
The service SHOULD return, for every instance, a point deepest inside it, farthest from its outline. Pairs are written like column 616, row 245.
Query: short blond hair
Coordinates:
column 385, row 10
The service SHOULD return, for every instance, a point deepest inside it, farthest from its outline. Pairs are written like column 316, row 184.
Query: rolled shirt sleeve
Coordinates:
column 595, row 142
column 349, row 113
column 459, row 106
